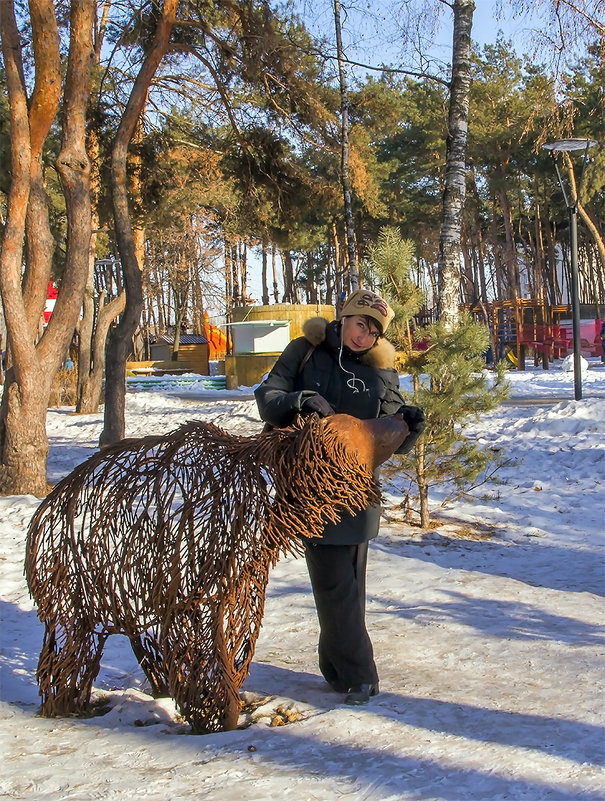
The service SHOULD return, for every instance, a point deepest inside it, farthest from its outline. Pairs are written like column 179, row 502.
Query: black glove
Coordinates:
column 318, row 404
column 414, row 418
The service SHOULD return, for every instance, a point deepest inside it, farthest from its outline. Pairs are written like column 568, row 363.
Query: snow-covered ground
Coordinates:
column 488, row 633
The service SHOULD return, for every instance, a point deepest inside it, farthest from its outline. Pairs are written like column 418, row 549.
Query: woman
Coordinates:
column 344, row 367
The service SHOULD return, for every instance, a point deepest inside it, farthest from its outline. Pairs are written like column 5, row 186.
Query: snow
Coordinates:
column 487, row 632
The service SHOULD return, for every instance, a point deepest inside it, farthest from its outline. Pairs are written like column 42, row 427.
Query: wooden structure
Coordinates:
column 248, row 368
column 193, row 356
column 527, row 325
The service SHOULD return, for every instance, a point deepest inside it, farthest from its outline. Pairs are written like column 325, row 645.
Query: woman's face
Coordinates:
column 359, row 333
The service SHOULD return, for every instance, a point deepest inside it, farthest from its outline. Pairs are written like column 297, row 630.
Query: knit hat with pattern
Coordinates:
column 368, row 304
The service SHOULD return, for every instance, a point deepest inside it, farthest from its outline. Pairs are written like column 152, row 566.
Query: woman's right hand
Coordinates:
column 317, row 404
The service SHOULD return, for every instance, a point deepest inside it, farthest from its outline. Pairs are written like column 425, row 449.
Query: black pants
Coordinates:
column 338, row 579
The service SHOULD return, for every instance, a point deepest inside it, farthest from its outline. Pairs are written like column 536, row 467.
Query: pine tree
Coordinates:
column 450, row 381
column 390, row 262
column 453, row 387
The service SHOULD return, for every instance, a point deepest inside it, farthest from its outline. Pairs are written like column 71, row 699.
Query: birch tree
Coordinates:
column 455, row 168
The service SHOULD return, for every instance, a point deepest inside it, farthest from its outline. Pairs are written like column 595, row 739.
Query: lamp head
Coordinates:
column 569, row 144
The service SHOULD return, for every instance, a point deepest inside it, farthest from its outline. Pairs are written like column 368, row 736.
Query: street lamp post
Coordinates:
column 572, row 208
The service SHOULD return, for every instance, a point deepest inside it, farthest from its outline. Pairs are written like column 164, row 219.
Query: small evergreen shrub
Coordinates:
column 450, row 380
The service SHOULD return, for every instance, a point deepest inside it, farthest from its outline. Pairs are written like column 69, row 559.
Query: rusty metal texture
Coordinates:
column 169, row 541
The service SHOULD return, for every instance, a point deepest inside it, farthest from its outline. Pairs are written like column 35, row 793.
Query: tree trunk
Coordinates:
column 23, row 442
column 235, row 288
column 228, row 279
column 44, row 102
column 243, row 269
column 89, row 394
column 86, row 327
column 88, row 397
column 588, row 221
column 180, row 308
column 265, row 288
column 541, row 271
column 288, row 276
column 345, row 176
column 510, row 247
column 40, row 246
column 120, row 341
column 423, row 486
column 329, row 260
column 198, row 304
column 550, row 266
column 274, row 269
column 18, row 329
column 455, row 168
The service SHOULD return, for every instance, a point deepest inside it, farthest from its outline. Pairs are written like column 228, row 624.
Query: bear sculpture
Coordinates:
column 169, row 541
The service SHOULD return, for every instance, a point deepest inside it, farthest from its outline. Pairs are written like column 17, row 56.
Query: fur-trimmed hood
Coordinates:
column 380, row 356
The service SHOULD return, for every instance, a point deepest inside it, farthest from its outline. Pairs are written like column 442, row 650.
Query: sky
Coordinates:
column 371, row 37
column 487, row 630
column 376, row 33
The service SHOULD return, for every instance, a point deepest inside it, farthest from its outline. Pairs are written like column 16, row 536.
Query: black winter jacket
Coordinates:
column 365, row 386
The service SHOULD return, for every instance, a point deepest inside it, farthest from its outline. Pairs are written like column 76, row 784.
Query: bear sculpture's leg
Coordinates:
column 69, row 663
column 146, row 648
column 200, row 677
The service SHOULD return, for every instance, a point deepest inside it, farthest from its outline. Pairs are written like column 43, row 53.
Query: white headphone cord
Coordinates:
column 353, row 380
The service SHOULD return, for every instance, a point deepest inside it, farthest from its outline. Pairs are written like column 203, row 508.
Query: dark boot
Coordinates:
column 360, row 694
